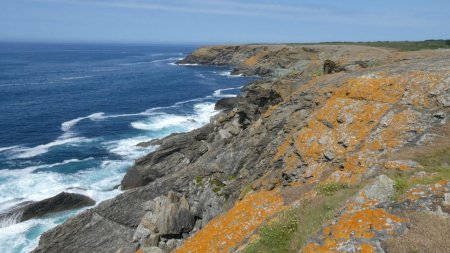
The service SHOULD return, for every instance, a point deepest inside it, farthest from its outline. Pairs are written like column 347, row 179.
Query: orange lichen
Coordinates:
column 380, row 88
column 359, row 224
column 253, row 60
column 270, row 110
column 229, row 230
column 397, row 165
column 282, row 149
column 417, row 192
column 367, row 248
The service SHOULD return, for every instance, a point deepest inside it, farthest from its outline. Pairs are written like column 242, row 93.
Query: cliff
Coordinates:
column 350, row 142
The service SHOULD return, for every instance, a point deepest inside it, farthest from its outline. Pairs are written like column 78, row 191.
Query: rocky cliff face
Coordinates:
column 321, row 117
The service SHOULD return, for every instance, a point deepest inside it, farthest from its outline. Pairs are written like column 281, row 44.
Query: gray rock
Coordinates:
column 381, row 189
column 226, row 104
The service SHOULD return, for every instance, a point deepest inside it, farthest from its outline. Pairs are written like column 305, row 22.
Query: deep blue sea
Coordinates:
column 72, row 114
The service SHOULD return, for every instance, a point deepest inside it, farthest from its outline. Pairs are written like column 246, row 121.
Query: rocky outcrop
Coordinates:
column 284, row 136
column 226, row 104
column 61, row 202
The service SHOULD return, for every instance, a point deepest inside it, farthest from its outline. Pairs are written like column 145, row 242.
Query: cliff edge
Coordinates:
column 335, row 149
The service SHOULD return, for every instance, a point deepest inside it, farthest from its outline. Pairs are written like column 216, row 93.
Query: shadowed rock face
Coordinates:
column 285, row 134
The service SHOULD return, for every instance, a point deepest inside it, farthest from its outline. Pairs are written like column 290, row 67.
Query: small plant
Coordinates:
column 330, row 189
column 248, row 188
column 401, row 185
column 217, row 182
column 199, row 180
column 292, row 229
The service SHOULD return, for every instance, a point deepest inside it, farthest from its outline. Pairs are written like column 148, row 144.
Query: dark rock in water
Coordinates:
column 226, row 104
column 146, row 144
column 29, row 209
column 13, row 215
column 61, row 202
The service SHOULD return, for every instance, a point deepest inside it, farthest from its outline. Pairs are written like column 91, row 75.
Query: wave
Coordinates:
column 8, row 148
column 128, row 148
column 26, row 152
column 218, row 93
column 67, row 126
column 76, row 77
column 227, row 74
column 29, row 169
column 178, row 123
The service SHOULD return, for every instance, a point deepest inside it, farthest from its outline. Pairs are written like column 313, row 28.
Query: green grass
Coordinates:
column 199, row 180
column 247, row 189
column 399, row 45
column 436, row 163
column 330, row 189
column 292, row 229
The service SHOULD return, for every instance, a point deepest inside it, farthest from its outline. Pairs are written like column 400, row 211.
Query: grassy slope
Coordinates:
column 292, row 229
column 399, row 45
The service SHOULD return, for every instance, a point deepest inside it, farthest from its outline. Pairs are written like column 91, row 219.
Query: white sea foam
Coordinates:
column 177, row 123
column 25, row 152
column 29, row 169
column 75, row 77
column 127, row 148
column 8, row 148
column 218, row 93
column 67, row 126
column 187, row 64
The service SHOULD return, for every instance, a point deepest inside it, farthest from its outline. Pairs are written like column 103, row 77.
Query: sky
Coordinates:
column 222, row 21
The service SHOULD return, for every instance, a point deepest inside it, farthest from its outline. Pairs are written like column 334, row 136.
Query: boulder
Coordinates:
column 226, row 104
column 61, row 202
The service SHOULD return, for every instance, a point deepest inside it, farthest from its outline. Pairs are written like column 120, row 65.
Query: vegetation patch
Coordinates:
column 399, row 45
column 436, row 166
column 292, row 229
column 199, row 180
column 330, row 189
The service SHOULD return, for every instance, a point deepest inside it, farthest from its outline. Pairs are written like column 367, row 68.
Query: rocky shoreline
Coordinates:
column 320, row 115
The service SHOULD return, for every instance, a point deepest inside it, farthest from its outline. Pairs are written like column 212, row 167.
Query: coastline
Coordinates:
column 257, row 147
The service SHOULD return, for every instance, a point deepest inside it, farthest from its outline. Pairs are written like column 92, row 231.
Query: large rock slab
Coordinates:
column 61, row 202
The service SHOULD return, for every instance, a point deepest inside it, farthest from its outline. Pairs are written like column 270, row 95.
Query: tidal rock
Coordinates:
column 28, row 210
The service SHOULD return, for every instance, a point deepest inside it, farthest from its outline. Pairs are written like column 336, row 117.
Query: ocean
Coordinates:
column 72, row 114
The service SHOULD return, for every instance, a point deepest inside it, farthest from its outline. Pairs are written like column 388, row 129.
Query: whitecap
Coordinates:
column 67, row 126
column 187, row 64
column 168, row 59
column 178, row 123
column 127, row 148
column 8, row 148
column 228, row 74
column 25, row 152
column 218, row 93
column 75, row 77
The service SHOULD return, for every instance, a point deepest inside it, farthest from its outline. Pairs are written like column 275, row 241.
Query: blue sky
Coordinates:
column 223, row 21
